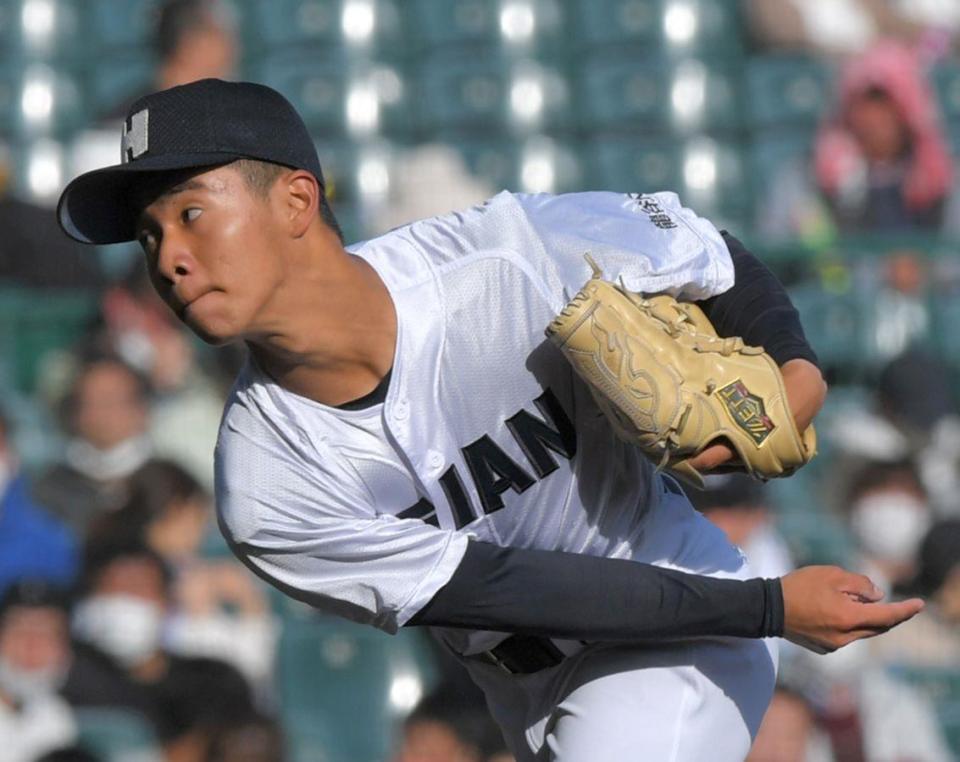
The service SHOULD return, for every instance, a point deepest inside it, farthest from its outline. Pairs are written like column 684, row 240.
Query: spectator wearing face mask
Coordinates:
column 219, row 609
column 121, row 660
column 105, row 414
column 934, row 639
column 34, row 656
column 32, row 543
column 888, row 515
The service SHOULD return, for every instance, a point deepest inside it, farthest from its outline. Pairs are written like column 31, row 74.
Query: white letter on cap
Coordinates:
column 134, row 142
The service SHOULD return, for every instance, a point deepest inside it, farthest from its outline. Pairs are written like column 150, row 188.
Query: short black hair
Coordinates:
column 33, row 593
column 100, row 553
column 880, row 474
column 151, row 490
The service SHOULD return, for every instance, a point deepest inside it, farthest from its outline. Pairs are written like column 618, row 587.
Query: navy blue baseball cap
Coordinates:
column 202, row 124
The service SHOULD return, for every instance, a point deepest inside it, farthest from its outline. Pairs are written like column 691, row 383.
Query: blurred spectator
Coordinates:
column 867, row 714
column 193, row 39
column 880, row 163
column 451, row 724
column 219, row 610
column 256, row 738
column 32, row 543
column 900, row 317
column 889, row 516
column 932, row 638
column 186, row 404
column 914, row 416
column 736, row 503
column 120, row 615
column 105, row 414
column 839, row 28
column 34, row 654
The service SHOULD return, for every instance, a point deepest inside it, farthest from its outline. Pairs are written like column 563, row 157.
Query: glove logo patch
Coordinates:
column 746, row 411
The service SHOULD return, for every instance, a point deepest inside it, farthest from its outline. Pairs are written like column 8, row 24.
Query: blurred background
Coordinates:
column 820, row 132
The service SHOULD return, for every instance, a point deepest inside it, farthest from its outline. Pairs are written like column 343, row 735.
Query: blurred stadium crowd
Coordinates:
column 821, row 132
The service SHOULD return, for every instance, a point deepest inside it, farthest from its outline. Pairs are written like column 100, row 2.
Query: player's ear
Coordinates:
column 301, row 200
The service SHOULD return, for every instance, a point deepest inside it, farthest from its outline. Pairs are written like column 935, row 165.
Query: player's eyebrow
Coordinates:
column 191, row 183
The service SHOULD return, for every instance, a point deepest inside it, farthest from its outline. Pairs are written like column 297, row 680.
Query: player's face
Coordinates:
column 211, row 247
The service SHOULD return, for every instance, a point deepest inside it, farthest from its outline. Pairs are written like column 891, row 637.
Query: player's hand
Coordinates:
column 826, row 607
column 806, row 392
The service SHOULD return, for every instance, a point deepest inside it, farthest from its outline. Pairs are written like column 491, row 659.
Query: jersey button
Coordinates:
column 401, row 410
column 435, row 459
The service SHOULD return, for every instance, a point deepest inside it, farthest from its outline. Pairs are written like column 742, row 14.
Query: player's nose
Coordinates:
column 175, row 260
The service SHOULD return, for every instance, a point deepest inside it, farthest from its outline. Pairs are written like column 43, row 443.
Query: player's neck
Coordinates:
column 333, row 335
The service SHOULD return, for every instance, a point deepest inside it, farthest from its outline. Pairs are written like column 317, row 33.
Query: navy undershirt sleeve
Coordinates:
column 579, row 597
column 758, row 309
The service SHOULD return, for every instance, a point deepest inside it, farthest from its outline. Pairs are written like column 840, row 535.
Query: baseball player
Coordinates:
column 405, row 447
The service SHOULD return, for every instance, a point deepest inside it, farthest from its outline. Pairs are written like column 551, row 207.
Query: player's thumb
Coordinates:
column 860, row 587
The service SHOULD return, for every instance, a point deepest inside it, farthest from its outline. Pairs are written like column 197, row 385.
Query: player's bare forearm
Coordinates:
column 806, row 390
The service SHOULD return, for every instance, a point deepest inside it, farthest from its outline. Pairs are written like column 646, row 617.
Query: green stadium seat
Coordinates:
column 275, row 23
column 39, row 101
column 112, row 80
column 770, row 154
column 337, row 96
column 786, row 91
column 834, row 325
column 518, row 26
column 362, row 26
column 114, row 24
column 52, row 31
column 116, row 734
column 709, row 175
column 946, row 82
column 356, row 172
column 482, row 92
column 671, row 28
column 34, row 323
column 337, row 676
column 437, row 23
column 631, row 93
column 538, row 164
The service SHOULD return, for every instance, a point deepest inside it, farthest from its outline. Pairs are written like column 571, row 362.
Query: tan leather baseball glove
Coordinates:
column 670, row 385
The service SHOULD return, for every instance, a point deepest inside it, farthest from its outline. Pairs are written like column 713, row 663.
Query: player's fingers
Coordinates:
column 711, row 457
column 883, row 616
column 860, row 587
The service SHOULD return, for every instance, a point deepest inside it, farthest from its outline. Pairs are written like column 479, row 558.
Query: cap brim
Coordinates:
column 98, row 207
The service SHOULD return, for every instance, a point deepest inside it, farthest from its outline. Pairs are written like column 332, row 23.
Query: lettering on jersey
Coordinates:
column 423, row 509
column 494, row 472
column 654, row 210
column 457, row 497
column 534, row 436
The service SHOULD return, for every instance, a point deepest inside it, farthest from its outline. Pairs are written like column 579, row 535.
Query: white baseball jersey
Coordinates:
column 485, row 431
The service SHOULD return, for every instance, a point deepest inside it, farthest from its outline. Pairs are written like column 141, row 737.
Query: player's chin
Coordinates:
column 216, row 333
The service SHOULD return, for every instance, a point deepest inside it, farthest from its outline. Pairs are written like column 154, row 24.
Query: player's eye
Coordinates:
column 191, row 213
